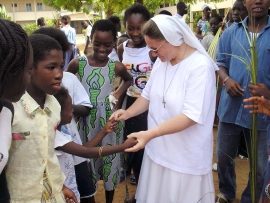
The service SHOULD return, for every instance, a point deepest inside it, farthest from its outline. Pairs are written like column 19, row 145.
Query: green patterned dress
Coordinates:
column 98, row 83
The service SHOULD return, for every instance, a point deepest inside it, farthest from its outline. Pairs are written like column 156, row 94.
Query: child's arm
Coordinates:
column 80, row 110
column 89, row 151
column 73, row 66
column 119, row 94
column 120, row 51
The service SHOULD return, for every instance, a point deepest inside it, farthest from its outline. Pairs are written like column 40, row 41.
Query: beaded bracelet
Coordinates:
column 266, row 191
column 225, row 80
column 100, row 151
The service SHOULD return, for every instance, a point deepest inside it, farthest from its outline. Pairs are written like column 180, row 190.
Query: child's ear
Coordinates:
column 244, row 3
column 31, row 71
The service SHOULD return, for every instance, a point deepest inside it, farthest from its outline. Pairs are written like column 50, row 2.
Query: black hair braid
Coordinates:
column 14, row 50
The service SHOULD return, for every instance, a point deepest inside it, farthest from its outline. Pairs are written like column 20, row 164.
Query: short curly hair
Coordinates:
column 56, row 34
column 114, row 19
column 218, row 17
column 104, row 26
column 42, row 45
column 136, row 9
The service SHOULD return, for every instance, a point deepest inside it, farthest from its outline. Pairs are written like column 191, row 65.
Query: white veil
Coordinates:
column 176, row 31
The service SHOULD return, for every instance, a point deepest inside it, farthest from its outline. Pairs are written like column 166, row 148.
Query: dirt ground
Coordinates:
column 242, row 168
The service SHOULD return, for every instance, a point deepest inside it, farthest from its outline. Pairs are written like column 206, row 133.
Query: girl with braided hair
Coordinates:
column 16, row 59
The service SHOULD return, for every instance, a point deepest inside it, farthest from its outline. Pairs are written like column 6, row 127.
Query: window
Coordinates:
column 39, row 6
column 15, row 5
column 28, row 7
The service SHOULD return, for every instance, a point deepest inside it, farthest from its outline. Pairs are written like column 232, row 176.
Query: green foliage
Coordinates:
column 196, row 17
column 95, row 19
column 50, row 22
column 30, row 28
column 108, row 6
column 3, row 13
column 111, row 7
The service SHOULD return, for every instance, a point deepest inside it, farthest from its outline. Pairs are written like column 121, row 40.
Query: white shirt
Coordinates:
column 193, row 93
column 114, row 55
column 5, row 135
column 179, row 16
column 206, row 41
column 88, row 33
column 79, row 97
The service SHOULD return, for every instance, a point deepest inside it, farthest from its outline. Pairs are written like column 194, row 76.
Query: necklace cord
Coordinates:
column 165, row 92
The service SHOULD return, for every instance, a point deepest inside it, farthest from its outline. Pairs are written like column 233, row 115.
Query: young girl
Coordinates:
column 137, row 58
column 215, row 23
column 96, row 72
column 16, row 59
column 63, row 141
column 33, row 171
column 81, row 107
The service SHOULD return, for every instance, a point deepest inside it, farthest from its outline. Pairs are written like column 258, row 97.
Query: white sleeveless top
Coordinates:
column 139, row 66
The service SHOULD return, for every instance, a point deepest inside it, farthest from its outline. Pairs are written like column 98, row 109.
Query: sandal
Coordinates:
column 130, row 200
column 132, row 180
column 220, row 198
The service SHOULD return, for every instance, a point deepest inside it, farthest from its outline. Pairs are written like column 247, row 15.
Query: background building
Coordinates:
column 28, row 11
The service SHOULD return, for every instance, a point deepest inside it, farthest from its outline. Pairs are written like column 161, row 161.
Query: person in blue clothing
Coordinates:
column 235, row 121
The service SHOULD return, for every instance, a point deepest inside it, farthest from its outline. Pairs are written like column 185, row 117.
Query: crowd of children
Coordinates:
column 61, row 132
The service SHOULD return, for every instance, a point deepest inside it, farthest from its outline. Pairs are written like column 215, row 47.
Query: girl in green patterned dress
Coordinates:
column 96, row 73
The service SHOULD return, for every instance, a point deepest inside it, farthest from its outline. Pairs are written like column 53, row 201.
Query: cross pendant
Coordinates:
column 163, row 101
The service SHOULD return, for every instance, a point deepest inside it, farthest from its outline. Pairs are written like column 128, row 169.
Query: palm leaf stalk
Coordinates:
column 251, row 63
column 254, row 131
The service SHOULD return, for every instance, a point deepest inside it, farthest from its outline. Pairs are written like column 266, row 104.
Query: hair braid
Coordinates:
column 14, row 50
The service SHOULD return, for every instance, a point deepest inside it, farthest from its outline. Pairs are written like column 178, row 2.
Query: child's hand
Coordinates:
column 258, row 105
column 142, row 138
column 69, row 195
column 130, row 142
column 110, row 126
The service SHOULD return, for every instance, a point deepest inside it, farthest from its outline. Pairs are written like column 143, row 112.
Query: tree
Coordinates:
column 108, row 6
column 3, row 13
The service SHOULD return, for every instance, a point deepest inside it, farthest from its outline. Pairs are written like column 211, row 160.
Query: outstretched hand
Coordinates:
column 110, row 126
column 119, row 115
column 259, row 105
column 142, row 138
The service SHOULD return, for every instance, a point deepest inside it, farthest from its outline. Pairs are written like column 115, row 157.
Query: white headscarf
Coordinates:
column 176, row 32
column 205, row 6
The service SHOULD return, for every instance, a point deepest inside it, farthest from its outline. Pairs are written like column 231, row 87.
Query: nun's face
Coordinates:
column 160, row 48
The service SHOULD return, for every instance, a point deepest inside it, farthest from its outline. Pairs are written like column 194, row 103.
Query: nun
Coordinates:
column 180, row 96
